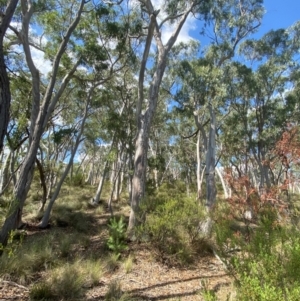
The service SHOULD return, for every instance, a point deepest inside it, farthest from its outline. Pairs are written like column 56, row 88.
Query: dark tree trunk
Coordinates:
column 5, row 96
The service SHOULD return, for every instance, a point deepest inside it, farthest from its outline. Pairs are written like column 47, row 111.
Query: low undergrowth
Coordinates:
column 172, row 226
column 264, row 260
column 64, row 261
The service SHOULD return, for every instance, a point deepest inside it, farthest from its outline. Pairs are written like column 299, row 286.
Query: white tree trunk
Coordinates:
column 211, row 162
column 144, row 120
column 206, row 225
column 4, row 174
column 96, row 198
column 226, row 194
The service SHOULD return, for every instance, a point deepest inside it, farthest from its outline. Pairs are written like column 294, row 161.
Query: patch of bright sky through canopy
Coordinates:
column 279, row 14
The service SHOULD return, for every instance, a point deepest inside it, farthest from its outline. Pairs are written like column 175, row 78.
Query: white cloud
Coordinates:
column 43, row 65
column 38, row 57
column 168, row 29
column 184, row 35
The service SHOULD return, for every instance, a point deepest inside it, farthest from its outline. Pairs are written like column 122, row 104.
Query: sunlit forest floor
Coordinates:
column 70, row 260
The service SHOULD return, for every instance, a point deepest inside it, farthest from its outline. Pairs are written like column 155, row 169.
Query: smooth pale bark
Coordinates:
column 119, row 179
column 91, row 173
column 144, row 120
column 4, row 180
column 8, row 173
column 113, row 171
column 26, row 171
column 130, row 175
column 5, row 96
column 211, row 191
column 166, row 170
column 114, row 187
column 42, row 183
column 201, row 134
column 96, row 198
column 155, row 171
column 226, row 194
column 211, row 162
column 97, row 174
column 198, row 172
column 90, row 176
column 52, row 176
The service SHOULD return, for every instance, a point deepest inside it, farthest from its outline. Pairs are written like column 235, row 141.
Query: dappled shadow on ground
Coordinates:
column 78, row 231
column 139, row 290
column 142, row 292
column 150, row 279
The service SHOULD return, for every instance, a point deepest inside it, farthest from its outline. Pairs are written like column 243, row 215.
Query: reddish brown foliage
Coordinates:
column 288, row 147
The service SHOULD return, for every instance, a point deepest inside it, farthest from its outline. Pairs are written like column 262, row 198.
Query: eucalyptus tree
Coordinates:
column 6, row 14
column 17, row 134
column 160, row 144
column 174, row 12
column 236, row 21
column 261, row 104
column 75, row 33
column 117, row 130
column 205, row 87
column 78, row 140
column 42, row 105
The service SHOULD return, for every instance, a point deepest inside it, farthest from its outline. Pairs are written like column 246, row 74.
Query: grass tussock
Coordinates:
column 31, row 257
column 128, row 264
column 66, row 282
column 41, row 291
column 69, row 281
column 59, row 263
column 112, row 262
column 115, row 293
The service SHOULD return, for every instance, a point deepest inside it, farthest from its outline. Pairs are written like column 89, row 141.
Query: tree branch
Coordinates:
column 190, row 136
column 143, row 66
column 169, row 18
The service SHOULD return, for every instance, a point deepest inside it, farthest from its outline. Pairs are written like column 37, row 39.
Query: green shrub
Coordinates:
column 209, row 295
column 173, row 226
column 76, row 180
column 117, row 235
column 267, row 266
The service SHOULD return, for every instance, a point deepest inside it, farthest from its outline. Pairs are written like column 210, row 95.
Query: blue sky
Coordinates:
column 280, row 14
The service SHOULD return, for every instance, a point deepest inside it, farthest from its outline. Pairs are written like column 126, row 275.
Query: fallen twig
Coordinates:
column 15, row 284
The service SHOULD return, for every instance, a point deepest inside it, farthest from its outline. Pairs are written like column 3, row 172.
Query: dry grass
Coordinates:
column 70, row 260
